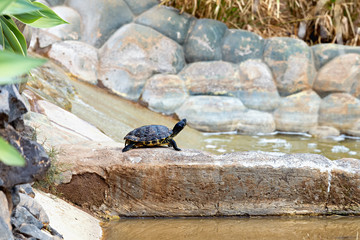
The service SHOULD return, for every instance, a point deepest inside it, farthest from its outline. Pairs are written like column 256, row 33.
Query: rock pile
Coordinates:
column 164, row 59
column 20, row 216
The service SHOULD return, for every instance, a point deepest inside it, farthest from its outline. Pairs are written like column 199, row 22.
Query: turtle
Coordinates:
column 153, row 135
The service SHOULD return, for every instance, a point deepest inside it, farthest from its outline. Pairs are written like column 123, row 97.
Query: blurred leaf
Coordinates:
column 49, row 19
column 14, row 37
column 12, row 64
column 28, row 18
column 19, row 7
column 4, row 4
column 2, row 39
column 9, row 155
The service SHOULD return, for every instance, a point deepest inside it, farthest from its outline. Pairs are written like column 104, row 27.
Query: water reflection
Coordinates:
column 234, row 228
column 332, row 148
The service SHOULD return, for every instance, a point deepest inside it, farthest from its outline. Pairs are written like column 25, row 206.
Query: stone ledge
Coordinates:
column 164, row 182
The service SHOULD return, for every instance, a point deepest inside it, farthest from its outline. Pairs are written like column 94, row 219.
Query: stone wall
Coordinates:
column 220, row 79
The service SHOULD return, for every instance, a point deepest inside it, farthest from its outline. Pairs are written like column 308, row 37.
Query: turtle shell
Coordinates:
column 149, row 135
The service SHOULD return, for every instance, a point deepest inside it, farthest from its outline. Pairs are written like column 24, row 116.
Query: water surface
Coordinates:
column 269, row 228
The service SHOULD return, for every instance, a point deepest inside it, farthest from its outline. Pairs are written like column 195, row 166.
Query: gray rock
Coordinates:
column 298, row 112
column 5, row 225
column 164, row 93
column 339, row 110
column 132, row 55
column 354, row 129
column 72, row 31
column 167, row 21
column 240, row 45
column 323, row 53
column 55, row 2
column 204, row 41
column 291, row 62
column 257, row 87
column 32, row 231
column 139, row 6
column 211, row 78
column 79, row 58
column 101, row 18
column 22, row 215
column 324, row 132
column 5, row 231
column 355, row 89
column 26, row 189
column 338, row 75
column 253, row 122
column 12, row 106
column 31, row 205
column 212, row 113
column 37, row 161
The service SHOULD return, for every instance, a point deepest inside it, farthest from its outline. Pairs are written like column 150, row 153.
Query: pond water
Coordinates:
column 269, row 228
column 116, row 117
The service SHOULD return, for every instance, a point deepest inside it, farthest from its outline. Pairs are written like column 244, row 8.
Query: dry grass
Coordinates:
column 321, row 21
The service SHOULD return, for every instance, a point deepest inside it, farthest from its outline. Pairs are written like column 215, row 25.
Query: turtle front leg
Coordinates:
column 128, row 147
column 172, row 143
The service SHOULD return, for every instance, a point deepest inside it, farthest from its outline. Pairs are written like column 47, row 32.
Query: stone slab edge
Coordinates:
column 163, row 182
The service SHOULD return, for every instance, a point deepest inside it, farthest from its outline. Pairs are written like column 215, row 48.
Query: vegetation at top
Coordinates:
column 314, row 21
column 13, row 51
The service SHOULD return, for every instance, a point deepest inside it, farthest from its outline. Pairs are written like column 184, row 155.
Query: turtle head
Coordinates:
column 178, row 127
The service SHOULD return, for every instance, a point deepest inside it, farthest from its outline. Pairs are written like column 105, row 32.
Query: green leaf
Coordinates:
column 12, row 64
column 9, row 155
column 14, row 37
column 2, row 39
column 19, row 7
column 49, row 19
column 28, row 18
column 4, row 4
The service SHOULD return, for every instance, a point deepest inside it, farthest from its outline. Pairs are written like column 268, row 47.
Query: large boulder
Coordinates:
column 164, row 93
column 163, row 182
column 212, row 113
column 339, row 74
column 240, row 45
column 101, row 18
column 298, row 112
column 253, row 122
column 167, row 21
column 257, row 86
column 79, row 58
column 139, row 6
column 211, row 78
column 339, row 110
column 132, row 55
column 291, row 62
column 324, row 53
column 72, row 31
column 204, row 41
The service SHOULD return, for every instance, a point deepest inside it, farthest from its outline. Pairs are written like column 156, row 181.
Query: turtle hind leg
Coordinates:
column 172, row 143
column 128, row 147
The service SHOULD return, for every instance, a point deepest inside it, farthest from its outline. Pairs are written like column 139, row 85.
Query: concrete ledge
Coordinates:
column 164, row 182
